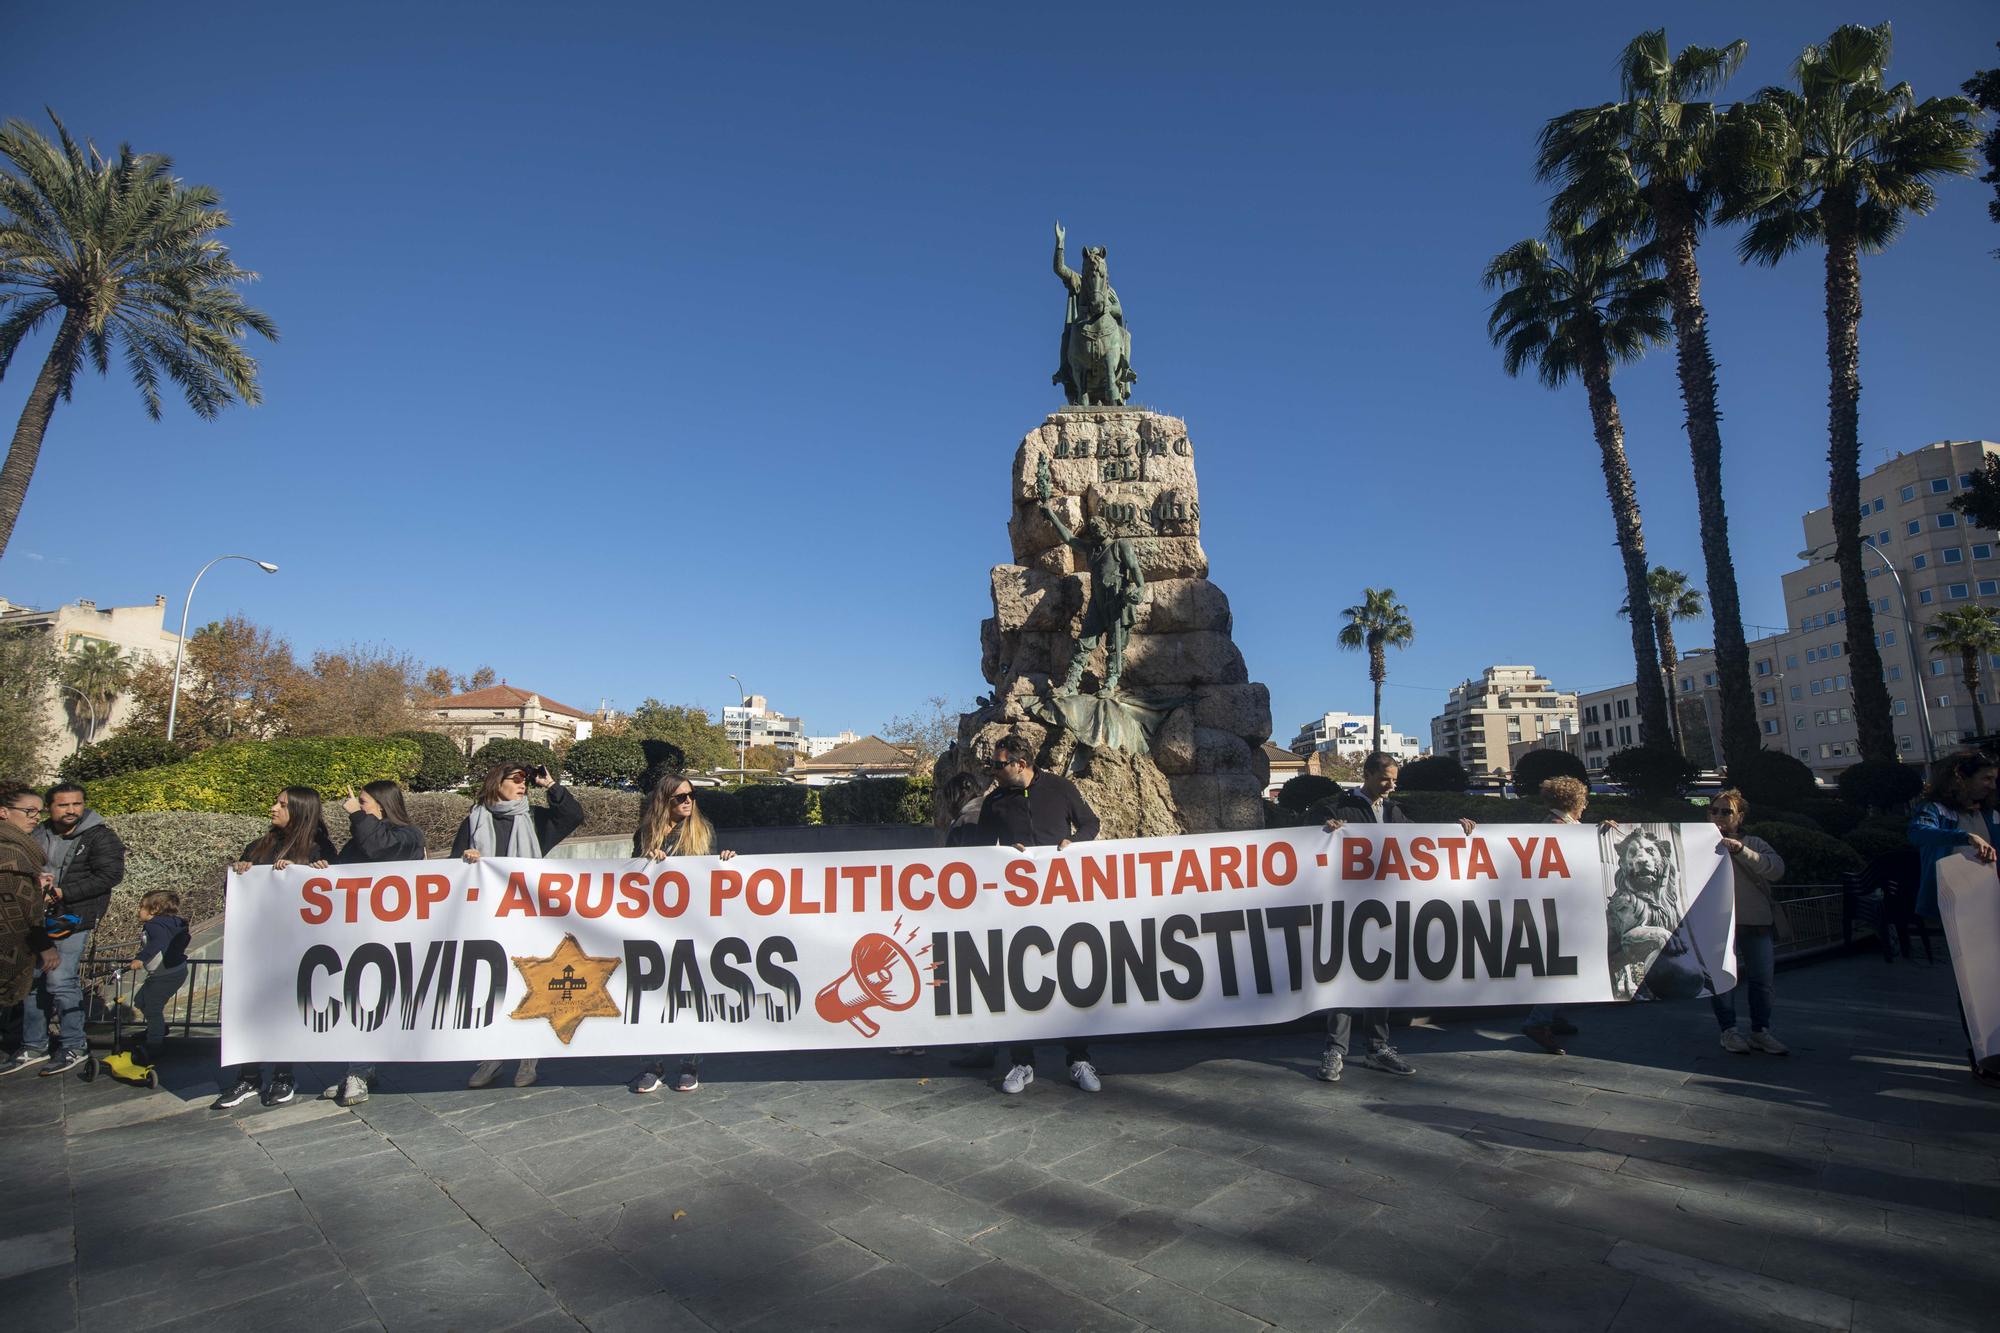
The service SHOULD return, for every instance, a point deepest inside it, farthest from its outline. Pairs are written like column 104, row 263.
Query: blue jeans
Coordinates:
column 57, row 996
column 1756, row 962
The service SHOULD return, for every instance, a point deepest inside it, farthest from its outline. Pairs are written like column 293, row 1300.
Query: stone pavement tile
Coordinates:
column 118, row 1203
column 440, row 1244
column 1071, row 1266
column 43, row 1300
column 345, row 1147
column 1722, row 1160
column 1175, row 1180
column 826, row 1113
column 1578, row 1153
column 544, row 1236
column 205, row 1281
column 1170, row 1309
column 1106, row 1157
column 1871, row 1317
column 493, row 1194
column 944, row 1160
column 1892, row 1270
column 796, row 1281
column 1653, row 1304
column 1001, row 1182
column 712, row 1237
column 590, row 1279
column 1283, row 1290
column 27, row 1252
column 700, row 1141
column 1392, row 1312
column 637, row 1183
column 979, row 1321
column 296, row 1121
column 1892, row 1187
column 371, row 1210
column 1409, row 1253
column 1254, row 1196
column 769, row 1170
column 572, row 1163
column 126, row 1111
column 478, row 1289
column 1519, row 1287
column 1066, row 1209
column 103, row 1253
column 934, row 1205
column 1199, row 1258
column 657, row 1313
column 1723, row 1287
column 879, row 1300
column 909, row 1243
column 570, row 1122
column 1022, row 1299
column 1137, row 1234
column 778, row 1136
column 883, row 1135
column 334, row 1301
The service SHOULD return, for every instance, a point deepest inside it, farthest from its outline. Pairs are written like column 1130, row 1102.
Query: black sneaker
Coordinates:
column 649, row 1079
column 280, row 1091
column 689, row 1078
column 20, row 1060
column 1330, row 1062
column 243, row 1091
column 62, row 1062
column 1388, row 1061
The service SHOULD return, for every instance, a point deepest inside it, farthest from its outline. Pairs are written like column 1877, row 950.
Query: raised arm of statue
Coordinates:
column 1070, row 277
column 1062, row 529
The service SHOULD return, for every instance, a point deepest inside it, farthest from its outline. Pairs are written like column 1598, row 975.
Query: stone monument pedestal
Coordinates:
column 1177, row 747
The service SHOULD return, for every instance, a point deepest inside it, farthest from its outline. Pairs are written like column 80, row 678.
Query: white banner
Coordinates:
column 440, row 960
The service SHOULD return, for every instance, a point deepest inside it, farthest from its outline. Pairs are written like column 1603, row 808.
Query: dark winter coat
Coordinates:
column 89, row 862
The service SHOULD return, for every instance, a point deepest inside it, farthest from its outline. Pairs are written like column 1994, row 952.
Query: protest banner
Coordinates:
column 441, row 960
column 1970, row 913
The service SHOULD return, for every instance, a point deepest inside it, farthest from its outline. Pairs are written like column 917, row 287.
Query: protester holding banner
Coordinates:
column 1760, row 918
column 297, row 835
column 965, row 799
column 502, row 823
column 25, row 947
column 380, row 830
column 1033, row 807
column 1567, row 798
column 1954, row 815
column 671, row 824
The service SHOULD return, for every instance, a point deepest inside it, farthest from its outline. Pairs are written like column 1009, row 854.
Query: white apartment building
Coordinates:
column 1351, row 736
column 754, row 723
column 1483, row 718
column 139, row 632
column 815, row 746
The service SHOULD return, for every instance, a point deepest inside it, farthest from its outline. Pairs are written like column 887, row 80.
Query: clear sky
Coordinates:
column 629, row 346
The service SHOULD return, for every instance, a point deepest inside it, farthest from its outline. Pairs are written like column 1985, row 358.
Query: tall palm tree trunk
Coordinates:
column 1609, row 428
column 1663, row 632
column 1696, row 366
column 1378, row 671
column 1969, row 664
column 1873, row 726
column 26, row 450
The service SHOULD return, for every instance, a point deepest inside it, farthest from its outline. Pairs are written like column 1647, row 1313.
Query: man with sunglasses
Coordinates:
column 1033, row 807
column 25, row 947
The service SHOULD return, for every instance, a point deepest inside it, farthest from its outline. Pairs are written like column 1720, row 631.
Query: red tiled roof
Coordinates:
column 868, row 752
column 507, row 696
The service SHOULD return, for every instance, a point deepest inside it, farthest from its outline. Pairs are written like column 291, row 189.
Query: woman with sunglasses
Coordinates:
column 379, row 830
column 671, row 824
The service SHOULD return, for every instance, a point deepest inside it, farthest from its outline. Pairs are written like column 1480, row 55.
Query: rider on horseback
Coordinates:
column 1095, row 367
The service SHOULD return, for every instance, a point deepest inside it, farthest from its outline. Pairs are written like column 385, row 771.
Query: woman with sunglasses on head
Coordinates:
column 671, row 824
column 502, row 823
column 379, row 830
column 297, row 836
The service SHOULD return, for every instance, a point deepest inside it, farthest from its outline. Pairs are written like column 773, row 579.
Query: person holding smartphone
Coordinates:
column 379, row 830
column 502, row 823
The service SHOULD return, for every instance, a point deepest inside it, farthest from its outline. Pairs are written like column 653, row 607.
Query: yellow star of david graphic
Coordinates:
column 566, row 987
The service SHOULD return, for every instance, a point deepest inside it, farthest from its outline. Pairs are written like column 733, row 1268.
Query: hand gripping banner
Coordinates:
column 440, row 960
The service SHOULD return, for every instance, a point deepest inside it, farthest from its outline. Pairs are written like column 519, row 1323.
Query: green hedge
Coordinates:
column 877, row 801
column 243, row 777
column 1538, row 766
column 606, row 760
column 1651, row 772
column 508, row 750
column 1810, row 858
column 776, row 805
column 1772, row 779
column 127, row 752
column 1878, row 835
column 444, row 763
column 1880, row 785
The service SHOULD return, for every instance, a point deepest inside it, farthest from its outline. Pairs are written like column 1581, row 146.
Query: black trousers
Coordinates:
column 11, row 1035
column 1374, row 1028
column 1025, row 1055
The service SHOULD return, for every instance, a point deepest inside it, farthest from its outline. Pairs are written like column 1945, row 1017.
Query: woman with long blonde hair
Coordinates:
column 671, row 824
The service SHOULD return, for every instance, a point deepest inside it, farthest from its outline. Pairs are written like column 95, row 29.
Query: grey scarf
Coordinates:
column 521, row 839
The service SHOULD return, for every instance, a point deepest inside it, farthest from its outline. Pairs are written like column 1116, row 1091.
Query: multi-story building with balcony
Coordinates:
column 1352, row 736
column 1483, row 718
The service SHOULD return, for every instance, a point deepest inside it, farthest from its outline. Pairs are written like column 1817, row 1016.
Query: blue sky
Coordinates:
column 629, row 346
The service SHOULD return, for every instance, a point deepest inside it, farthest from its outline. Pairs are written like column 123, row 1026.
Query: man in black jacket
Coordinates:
column 1032, row 807
column 1369, row 803
column 86, row 861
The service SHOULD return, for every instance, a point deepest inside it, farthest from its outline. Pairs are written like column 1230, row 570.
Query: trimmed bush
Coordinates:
column 720, row 807
column 444, row 763
column 1791, row 817
column 1878, row 835
column 1437, row 772
column 242, row 777
column 508, row 750
column 608, row 812
column 777, row 805
column 1773, row 780
column 1538, row 766
column 1299, row 793
column 1810, row 858
column 604, row 761
column 126, row 752
column 1651, row 772
column 178, row 850
column 877, row 801
column 1836, row 817
column 1876, row 785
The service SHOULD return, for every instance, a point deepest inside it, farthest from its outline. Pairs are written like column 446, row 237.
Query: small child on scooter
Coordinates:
column 163, row 956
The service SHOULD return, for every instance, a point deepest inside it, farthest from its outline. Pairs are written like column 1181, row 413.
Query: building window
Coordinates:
column 1944, row 701
column 1952, row 555
column 1819, row 717
column 1939, row 485
column 1770, row 726
column 1920, row 562
column 1900, row 708
column 1982, row 550
column 1687, row 684
column 1767, row 696
column 1708, row 679
column 1937, row 667
column 1876, row 504
column 1958, row 592
column 1882, row 537
column 1840, row 682
column 1915, row 526
column 1833, row 650
column 1624, row 735
column 1924, row 597
column 1815, row 687
column 1908, row 493
column 1764, row 666
column 1989, row 587
column 1795, row 691
column 1889, row 637
column 1903, row 743
column 1947, row 520
column 1895, row 673
column 1798, row 722
column 1791, row 661
column 1804, row 752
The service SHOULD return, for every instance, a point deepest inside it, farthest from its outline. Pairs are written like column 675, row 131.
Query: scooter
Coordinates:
column 135, row 1067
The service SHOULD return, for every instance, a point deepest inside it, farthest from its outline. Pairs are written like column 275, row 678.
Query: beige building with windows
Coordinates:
column 1484, row 718
column 139, row 632
column 508, row 712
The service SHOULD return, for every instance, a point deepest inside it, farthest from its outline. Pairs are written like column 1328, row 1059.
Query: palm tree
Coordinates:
column 1576, row 304
column 1671, row 597
column 99, row 671
column 1973, row 632
column 1841, row 163
column 1646, row 158
column 123, row 255
column 1378, row 623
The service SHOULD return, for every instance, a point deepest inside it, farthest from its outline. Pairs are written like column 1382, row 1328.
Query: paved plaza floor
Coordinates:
column 1647, row 1180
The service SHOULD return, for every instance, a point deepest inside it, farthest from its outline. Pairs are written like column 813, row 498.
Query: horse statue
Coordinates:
column 1096, row 359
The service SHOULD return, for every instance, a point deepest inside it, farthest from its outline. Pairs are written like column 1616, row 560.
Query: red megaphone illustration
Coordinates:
column 883, row 974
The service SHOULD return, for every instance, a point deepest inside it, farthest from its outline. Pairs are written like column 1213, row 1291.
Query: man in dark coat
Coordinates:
column 86, row 861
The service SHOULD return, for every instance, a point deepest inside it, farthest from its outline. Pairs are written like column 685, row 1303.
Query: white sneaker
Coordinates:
column 1019, row 1077
column 353, row 1090
column 1084, row 1075
column 1732, row 1041
column 524, row 1074
column 483, row 1074
column 1768, row 1044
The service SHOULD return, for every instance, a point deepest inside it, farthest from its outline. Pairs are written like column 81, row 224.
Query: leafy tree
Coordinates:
column 235, row 684
column 1644, row 163
column 1671, row 598
column 1436, row 772
column 605, row 760
column 98, row 671
column 510, row 750
column 361, row 690
column 1984, row 90
column 703, row 743
column 443, row 765
column 1375, row 624
column 926, row 732
column 27, row 672
column 1538, row 766
column 478, row 680
column 767, row 757
column 123, row 256
column 1972, row 632
column 1652, row 772
column 1576, row 304
column 1841, row 163
column 125, row 752
column 1880, row 786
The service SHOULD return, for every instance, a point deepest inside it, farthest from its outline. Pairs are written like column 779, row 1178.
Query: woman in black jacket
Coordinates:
column 379, row 830
column 671, row 824
column 504, row 824
column 297, row 836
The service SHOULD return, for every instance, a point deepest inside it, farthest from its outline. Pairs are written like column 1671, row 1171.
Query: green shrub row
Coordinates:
column 243, row 777
column 877, row 801
column 443, row 765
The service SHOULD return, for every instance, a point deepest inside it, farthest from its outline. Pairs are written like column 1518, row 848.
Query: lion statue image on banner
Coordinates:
column 1644, row 907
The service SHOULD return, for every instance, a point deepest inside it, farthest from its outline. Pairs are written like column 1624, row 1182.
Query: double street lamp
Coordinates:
column 174, row 699
column 1909, row 636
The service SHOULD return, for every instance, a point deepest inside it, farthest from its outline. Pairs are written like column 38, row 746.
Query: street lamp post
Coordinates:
column 174, row 699
column 92, row 706
column 742, row 745
column 1909, row 640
